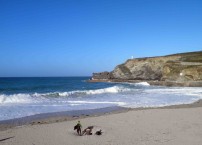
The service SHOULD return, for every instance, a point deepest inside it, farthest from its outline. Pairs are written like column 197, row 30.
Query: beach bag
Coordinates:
column 99, row 132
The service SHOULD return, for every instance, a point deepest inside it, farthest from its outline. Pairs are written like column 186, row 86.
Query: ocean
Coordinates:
column 21, row 97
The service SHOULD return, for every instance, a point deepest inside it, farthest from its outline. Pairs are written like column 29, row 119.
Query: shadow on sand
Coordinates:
column 6, row 138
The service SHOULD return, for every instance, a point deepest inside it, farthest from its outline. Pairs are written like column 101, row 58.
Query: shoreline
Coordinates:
column 152, row 126
column 49, row 118
column 152, row 82
column 53, row 117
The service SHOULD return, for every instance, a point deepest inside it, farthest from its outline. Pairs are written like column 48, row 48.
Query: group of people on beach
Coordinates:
column 86, row 131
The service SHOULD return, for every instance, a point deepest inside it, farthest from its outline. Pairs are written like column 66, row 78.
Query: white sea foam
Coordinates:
column 160, row 104
column 16, row 98
column 178, row 91
column 114, row 89
column 143, row 84
column 96, row 102
column 138, row 84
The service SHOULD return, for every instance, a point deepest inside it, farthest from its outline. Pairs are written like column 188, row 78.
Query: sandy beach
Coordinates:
column 70, row 69
column 176, row 125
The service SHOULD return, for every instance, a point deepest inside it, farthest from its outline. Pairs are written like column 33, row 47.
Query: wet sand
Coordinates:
column 173, row 125
column 58, row 117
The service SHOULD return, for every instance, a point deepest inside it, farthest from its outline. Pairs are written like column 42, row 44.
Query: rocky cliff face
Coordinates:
column 187, row 68
column 142, row 68
column 177, row 67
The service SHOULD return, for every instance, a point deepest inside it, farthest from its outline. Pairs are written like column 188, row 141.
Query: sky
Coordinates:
column 78, row 37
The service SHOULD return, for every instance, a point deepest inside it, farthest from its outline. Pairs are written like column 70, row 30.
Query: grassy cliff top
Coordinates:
column 191, row 57
column 184, row 57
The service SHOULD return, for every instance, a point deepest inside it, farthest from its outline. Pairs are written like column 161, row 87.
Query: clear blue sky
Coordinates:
column 79, row 37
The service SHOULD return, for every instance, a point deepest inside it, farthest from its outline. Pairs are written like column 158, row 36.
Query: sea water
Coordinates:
column 20, row 97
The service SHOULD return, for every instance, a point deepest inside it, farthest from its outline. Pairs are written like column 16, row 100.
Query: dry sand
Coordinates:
column 168, row 126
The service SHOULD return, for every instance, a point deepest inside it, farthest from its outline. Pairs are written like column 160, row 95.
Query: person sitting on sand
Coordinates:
column 87, row 131
column 78, row 127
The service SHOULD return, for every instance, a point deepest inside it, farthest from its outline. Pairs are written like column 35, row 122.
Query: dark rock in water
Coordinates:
column 102, row 76
column 181, row 68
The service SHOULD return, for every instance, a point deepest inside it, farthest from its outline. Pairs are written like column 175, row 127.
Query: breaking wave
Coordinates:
column 37, row 97
column 15, row 98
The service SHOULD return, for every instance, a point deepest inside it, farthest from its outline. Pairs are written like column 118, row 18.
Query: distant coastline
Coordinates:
column 184, row 69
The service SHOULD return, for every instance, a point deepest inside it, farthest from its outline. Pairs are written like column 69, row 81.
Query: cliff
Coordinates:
column 178, row 68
